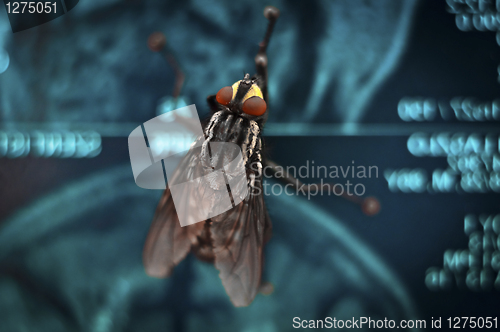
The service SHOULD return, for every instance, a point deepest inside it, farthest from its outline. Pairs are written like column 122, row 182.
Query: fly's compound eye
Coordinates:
column 225, row 95
column 255, row 106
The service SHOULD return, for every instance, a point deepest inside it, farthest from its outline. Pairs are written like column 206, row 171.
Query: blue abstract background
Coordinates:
column 72, row 230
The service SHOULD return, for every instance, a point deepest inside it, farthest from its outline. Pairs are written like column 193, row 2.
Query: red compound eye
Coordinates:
column 225, row 95
column 254, row 106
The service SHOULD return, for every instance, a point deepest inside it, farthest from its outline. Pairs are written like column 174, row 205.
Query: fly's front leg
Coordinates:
column 261, row 65
column 369, row 205
column 157, row 42
column 272, row 14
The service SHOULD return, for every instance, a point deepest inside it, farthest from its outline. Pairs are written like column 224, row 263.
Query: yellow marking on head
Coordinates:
column 253, row 91
column 235, row 88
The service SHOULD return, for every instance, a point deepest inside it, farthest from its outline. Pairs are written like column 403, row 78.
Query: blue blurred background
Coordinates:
column 72, row 229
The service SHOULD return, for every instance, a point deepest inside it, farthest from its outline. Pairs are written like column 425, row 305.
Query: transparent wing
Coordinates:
column 167, row 242
column 238, row 240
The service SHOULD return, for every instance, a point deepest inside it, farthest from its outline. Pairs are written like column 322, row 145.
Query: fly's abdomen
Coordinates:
column 203, row 250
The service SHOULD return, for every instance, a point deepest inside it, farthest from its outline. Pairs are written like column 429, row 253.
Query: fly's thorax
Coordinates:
column 231, row 128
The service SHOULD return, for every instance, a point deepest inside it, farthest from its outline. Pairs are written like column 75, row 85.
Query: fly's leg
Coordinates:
column 157, row 42
column 370, row 205
column 272, row 14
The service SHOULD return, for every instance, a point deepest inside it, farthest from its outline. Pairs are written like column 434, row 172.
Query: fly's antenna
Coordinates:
column 157, row 42
column 272, row 14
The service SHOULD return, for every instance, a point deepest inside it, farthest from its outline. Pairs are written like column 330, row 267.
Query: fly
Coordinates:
column 234, row 240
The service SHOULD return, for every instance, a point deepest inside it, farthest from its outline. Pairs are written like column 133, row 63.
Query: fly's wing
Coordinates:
column 238, row 239
column 167, row 242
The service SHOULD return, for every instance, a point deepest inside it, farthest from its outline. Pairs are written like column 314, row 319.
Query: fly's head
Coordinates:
column 245, row 99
